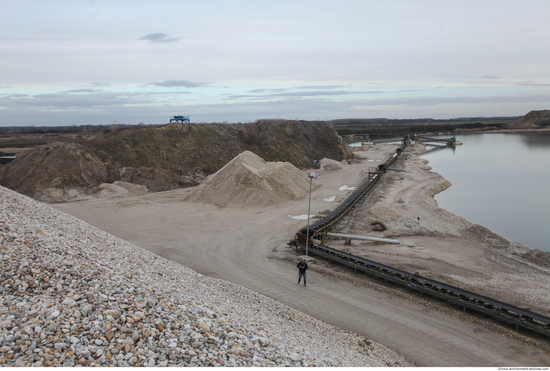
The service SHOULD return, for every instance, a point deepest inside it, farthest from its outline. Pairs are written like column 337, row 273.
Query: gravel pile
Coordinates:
column 71, row 294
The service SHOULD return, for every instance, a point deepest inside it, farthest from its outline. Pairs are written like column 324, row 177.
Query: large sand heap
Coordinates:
column 331, row 165
column 248, row 180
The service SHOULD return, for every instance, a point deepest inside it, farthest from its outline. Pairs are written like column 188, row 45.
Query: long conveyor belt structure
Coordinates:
column 517, row 316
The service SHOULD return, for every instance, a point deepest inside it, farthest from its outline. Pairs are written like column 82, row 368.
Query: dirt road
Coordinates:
column 245, row 246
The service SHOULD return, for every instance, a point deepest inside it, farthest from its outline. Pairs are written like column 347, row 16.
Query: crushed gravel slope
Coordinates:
column 71, row 294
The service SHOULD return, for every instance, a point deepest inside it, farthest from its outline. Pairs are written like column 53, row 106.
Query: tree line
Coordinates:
column 74, row 129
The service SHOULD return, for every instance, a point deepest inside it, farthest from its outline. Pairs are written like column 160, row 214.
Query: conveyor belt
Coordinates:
column 495, row 308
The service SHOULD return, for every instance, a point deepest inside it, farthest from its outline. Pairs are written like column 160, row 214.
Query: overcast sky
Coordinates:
column 99, row 62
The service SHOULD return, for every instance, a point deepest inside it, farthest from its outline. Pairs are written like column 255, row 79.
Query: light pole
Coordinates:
column 311, row 177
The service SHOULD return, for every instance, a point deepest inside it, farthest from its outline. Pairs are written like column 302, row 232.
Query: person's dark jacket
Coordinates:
column 302, row 266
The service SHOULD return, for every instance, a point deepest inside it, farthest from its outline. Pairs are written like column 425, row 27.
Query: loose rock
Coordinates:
column 73, row 295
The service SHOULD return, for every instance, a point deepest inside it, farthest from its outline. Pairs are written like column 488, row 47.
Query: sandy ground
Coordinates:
column 248, row 246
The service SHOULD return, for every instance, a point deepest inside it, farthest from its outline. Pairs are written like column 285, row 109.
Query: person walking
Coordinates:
column 302, row 268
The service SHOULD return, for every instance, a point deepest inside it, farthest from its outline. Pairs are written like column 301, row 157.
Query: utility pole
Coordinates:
column 311, row 177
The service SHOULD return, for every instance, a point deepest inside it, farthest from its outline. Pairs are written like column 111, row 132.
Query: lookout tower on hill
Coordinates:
column 180, row 119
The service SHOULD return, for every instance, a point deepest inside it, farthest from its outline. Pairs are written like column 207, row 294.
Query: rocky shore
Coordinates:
column 71, row 294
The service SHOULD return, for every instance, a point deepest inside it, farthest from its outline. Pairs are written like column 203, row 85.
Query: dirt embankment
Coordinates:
column 532, row 120
column 55, row 171
column 163, row 158
column 179, row 155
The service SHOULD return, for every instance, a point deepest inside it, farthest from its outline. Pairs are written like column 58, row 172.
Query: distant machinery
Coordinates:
column 181, row 119
column 452, row 142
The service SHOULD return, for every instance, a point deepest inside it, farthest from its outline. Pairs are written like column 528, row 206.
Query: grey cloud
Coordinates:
column 490, row 77
column 434, row 101
column 77, row 91
column 312, row 87
column 65, row 100
column 167, row 93
column 159, row 38
column 245, row 96
column 403, row 91
column 531, row 83
column 298, row 94
column 267, row 90
column 320, row 87
column 311, row 106
column 78, row 98
column 16, row 95
column 125, row 114
column 312, row 93
column 308, row 108
column 178, row 84
column 100, row 84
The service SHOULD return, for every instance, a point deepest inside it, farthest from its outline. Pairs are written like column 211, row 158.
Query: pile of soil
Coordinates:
column 119, row 188
column 532, row 120
column 163, row 158
column 182, row 155
column 248, row 180
column 330, row 165
column 55, row 171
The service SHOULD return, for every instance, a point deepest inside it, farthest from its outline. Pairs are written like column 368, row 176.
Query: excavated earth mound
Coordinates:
column 56, row 171
column 182, row 155
column 248, row 180
column 328, row 164
column 532, row 120
column 119, row 188
column 164, row 158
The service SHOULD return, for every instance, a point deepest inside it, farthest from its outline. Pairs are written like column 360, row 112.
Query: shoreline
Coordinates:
column 453, row 133
column 445, row 246
column 475, row 131
column 538, row 251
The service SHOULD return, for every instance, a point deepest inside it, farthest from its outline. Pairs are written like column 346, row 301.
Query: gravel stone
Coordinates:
column 71, row 295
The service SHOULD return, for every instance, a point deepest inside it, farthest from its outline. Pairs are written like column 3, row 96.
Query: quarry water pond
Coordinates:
column 500, row 181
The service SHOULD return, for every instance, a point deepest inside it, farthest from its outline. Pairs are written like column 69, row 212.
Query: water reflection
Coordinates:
column 500, row 181
column 436, row 148
column 537, row 139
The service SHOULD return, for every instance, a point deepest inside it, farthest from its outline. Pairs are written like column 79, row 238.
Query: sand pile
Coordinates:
column 120, row 188
column 250, row 181
column 331, row 165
